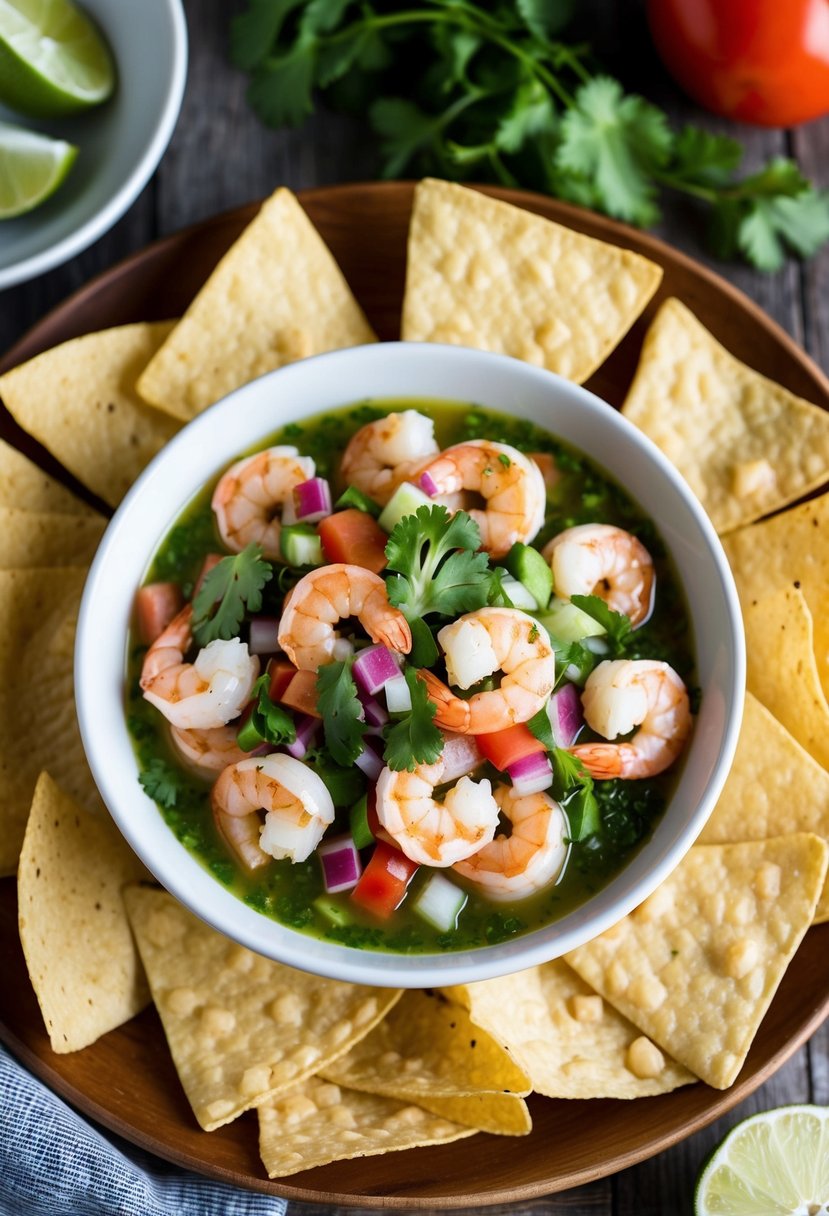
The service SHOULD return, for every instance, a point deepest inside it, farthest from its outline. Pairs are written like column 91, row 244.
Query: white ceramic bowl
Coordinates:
column 254, row 412
column 120, row 143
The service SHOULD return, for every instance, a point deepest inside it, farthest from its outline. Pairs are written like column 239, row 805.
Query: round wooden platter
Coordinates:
column 126, row 1080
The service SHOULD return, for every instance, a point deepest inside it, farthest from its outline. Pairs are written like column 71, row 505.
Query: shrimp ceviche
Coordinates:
column 414, row 676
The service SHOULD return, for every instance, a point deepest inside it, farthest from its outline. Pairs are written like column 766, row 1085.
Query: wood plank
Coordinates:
column 810, row 145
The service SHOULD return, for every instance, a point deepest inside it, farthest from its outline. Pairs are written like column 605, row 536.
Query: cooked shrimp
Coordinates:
column 621, row 694
column 384, row 453
column 296, row 803
column 435, row 833
column 511, row 485
column 248, row 498
column 476, row 646
column 330, row 594
column 208, row 692
column 517, row 865
column 208, row 751
column 598, row 559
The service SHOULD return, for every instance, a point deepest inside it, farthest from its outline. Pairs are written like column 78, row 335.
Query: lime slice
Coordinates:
column 772, row 1164
column 31, row 168
column 52, row 59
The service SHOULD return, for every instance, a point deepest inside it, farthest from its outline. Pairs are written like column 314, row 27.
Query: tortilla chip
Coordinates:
column 241, row 1028
column 567, row 1038
column 276, row 296
column 781, row 669
column 745, row 445
column 38, row 727
column 79, row 400
column 76, row 938
column 791, row 550
column 427, row 1051
column 774, row 787
column 24, row 485
column 696, row 965
column 483, row 273
column 40, row 538
column 318, row 1122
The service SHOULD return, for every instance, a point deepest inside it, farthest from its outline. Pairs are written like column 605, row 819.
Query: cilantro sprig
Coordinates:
column 232, row 588
column 572, row 784
column 467, row 89
column 341, row 712
column 414, row 739
column 270, row 722
column 161, row 782
column 435, row 568
column 617, row 626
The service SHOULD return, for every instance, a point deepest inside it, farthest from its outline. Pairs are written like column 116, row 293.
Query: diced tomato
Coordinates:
column 354, row 537
column 281, row 673
column 155, row 606
column 383, row 883
column 547, row 465
column 505, row 747
column 301, row 693
column 210, row 560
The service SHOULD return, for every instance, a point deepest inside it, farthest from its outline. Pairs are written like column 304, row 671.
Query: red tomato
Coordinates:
column 504, row 747
column 383, row 883
column 761, row 61
column 301, row 693
column 354, row 537
column 156, row 604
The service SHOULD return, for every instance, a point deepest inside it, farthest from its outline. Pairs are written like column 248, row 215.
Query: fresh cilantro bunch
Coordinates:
column 270, row 721
column 341, row 712
column 436, row 569
column 487, row 90
column 231, row 588
column 414, row 739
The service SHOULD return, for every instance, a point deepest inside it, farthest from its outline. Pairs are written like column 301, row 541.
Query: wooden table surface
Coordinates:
column 220, row 156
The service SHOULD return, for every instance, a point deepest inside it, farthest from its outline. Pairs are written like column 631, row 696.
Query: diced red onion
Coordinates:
column 340, row 862
column 374, row 714
column 566, row 716
column 306, row 731
column 398, row 695
column 369, row 762
column 428, row 485
column 373, row 667
column 264, row 635
column 531, row 774
column 312, row 500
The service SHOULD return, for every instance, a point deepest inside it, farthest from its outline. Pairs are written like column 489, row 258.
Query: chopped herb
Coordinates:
column 438, row 567
column 504, row 459
column 341, row 712
column 161, row 782
column 232, row 588
column 616, row 624
column 415, row 739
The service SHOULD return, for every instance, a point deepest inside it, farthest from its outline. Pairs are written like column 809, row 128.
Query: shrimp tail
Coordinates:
column 603, row 761
column 394, row 633
column 451, row 712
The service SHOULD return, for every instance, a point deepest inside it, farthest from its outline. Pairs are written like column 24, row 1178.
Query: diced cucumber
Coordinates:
column 352, row 497
column 361, row 833
column 332, row 911
column 533, row 571
column 404, row 501
column 568, row 623
column 301, row 545
column 520, row 595
column 440, row 903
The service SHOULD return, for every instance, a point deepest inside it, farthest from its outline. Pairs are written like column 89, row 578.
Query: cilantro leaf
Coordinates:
column 414, row 739
column 436, row 572
column 231, row 588
column 341, row 712
column 281, row 88
column 539, row 724
column 616, row 141
column 497, row 595
column 161, row 782
column 271, row 721
column 404, row 130
column 253, row 33
column 801, row 222
column 573, row 788
column 544, row 18
column 702, row 157
column 617, row 626
column 530, row 116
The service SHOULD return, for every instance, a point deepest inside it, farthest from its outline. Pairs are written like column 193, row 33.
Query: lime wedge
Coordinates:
column 52, row 59
column 775, row 1163
column 31, row 168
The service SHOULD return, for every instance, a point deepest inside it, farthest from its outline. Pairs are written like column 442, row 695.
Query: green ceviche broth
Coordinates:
column 439, row 778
